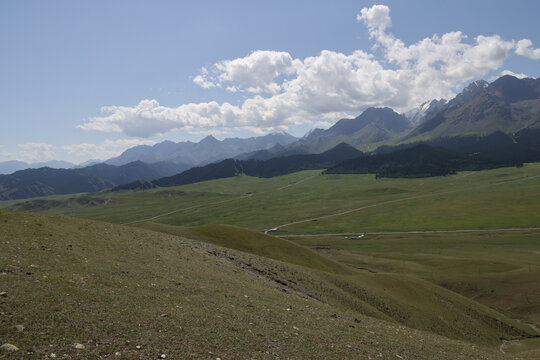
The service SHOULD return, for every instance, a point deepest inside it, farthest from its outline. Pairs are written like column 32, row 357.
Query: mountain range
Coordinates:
column 206, row 151
column 260, row 168
column 374, row 125
column 486, row 125
column 48, row 181
column 507, row 105
column 8, row 167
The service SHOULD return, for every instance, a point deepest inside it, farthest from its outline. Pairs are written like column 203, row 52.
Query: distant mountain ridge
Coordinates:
column 507, row 105
column 260, row 168
column 48, row 181
column 8, row 167
column 420, row 160
column 206, row 151
column 372, row 126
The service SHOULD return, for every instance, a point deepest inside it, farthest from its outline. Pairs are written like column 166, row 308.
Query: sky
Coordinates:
column 87, row 80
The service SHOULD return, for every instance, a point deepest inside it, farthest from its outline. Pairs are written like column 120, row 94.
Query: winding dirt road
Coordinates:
column 410, row 232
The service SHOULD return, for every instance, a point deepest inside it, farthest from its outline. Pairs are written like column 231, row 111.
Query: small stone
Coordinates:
column 9, row 347
column 3, row 294
column 138, row 347
column 164, row 315
column 79, row 346
column 117, row 353
column 53, row 356
column 19, row 328
column 162, row 356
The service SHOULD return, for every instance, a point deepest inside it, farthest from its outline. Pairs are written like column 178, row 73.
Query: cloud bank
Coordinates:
column 283, row 91
column 36, row 151
column 107, row 149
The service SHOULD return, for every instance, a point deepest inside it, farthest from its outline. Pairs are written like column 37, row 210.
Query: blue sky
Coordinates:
column 179, row 70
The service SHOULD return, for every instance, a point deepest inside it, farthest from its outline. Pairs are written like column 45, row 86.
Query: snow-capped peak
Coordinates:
column 418, row 114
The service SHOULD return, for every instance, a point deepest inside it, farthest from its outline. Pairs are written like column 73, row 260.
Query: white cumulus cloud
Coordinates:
column 203, row 79
column 377, row 18
column 285, row 91
column 524, row 48
column 254, row 73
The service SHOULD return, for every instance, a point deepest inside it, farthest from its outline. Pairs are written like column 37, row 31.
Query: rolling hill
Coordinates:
column 47, row 181
column 184, row 298
column 9, row 167
column 417, row 161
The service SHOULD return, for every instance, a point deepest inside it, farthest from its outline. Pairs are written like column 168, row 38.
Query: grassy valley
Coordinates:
column 408, row 268
column 467, row 200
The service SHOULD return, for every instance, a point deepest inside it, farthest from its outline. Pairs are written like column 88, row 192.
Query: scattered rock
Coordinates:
column 3, row 294
column 9, row 347
column 138, row 347
column 79, row 346
column 52, row 356
column 164, row 315
column 162, row 356
column 117, row 353
column 19, row 328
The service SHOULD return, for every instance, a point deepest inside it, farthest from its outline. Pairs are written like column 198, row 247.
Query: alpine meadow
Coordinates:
column 270, row 180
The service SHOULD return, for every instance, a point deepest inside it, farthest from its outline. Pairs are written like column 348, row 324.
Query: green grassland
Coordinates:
column 255, row 243
column 500, row 270
column 142, row 293
column 469, row 286
column 409, row 300
column 500, row 198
